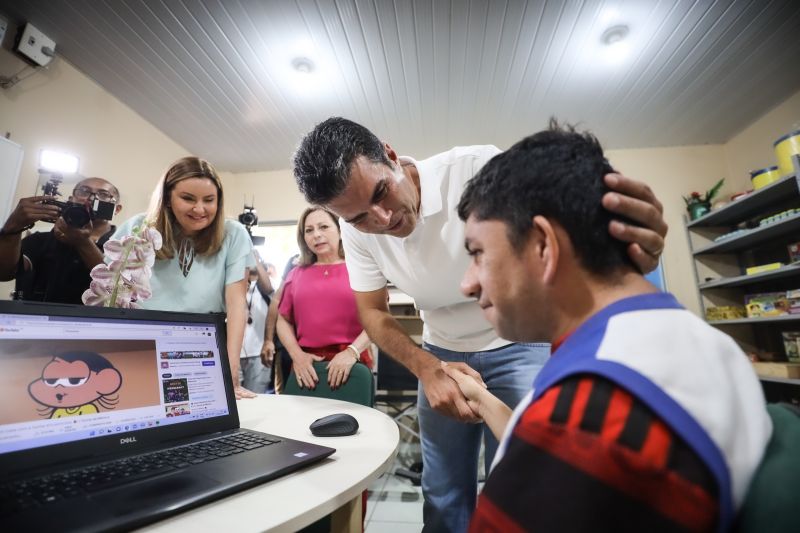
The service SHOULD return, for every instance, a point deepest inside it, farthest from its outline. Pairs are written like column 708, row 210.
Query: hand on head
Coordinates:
column 636, row 201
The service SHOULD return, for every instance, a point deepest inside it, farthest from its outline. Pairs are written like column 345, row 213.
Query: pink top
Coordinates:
column 318, row 301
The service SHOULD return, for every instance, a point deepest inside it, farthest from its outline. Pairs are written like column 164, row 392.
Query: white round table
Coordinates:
column 296, row 500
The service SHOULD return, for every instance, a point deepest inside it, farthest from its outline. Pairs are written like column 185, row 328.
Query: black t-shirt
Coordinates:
column 58, row 274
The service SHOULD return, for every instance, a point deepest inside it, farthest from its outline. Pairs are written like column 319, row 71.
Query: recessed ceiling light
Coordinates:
column 614, row 34
column 303, row 65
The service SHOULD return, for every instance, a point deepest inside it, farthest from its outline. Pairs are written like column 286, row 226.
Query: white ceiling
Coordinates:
column 216, row 76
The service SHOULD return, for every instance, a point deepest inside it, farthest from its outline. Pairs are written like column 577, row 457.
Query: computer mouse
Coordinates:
column 335, row 425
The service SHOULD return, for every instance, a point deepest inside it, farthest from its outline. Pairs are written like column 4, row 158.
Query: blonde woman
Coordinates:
column 200, row 267
column 318, row 318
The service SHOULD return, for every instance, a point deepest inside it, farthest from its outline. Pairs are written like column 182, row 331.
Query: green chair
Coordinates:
column 772, row 499
column 359, row 388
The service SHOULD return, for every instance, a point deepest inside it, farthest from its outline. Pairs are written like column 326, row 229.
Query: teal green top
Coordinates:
column 202, row 290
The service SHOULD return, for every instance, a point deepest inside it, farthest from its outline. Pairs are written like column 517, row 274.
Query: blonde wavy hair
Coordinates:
column 159, row 215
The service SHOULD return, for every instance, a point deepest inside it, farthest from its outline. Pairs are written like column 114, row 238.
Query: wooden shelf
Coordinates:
column 750, row 205
column 749, row 279
column 788, row 381
column 755, row 236
column 759, row 320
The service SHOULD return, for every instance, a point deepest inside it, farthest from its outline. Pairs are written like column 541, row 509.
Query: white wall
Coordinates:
column 60, row 108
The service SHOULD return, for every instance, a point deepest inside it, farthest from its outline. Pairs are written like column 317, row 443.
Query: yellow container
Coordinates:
column 764, row 176
column 785, row 148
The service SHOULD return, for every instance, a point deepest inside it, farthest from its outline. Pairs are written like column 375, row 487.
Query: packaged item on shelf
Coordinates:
column 763, row 268
column 725, row 312
column 785, row 148
column 765, row 176
column 777, row 370
column 794, row 251
column 793, row 297
column 791, row 345
column 766, row 304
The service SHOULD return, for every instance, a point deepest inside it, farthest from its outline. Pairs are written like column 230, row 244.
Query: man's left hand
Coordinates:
column 636, row 201
column 267, row 353
column 72, row 236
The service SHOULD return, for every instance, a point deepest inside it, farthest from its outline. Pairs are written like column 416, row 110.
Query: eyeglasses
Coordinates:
column 86, row 192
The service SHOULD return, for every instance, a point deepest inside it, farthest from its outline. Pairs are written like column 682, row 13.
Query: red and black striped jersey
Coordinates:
column 587, row 455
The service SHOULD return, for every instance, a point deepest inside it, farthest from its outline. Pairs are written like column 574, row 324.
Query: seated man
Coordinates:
column 645, row 417
column 55, row 266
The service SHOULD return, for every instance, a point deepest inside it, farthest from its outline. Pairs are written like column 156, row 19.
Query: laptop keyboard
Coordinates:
column 46, row 489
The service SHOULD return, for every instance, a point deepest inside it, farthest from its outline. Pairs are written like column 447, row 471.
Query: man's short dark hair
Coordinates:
column 556, row 173
column 322, row 162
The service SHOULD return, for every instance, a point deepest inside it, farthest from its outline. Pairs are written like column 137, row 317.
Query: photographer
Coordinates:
column 54, row 266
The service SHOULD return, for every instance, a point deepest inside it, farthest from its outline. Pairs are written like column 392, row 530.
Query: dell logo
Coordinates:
column 127, row 440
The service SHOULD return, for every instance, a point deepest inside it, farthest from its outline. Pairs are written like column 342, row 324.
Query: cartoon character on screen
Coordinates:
column 76, row 383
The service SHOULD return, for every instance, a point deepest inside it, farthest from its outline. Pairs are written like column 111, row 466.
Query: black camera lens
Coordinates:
column 76, row 216
column 248, row 218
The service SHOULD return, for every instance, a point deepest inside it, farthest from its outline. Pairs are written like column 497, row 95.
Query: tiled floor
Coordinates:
column 394, row 505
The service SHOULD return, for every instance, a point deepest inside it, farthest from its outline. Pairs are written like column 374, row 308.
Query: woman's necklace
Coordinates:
column 327, row 266
column 250, row 301
column 186, row 256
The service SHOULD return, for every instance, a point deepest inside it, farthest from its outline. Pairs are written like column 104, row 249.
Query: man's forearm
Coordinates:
column 272, row 317
column 90, row 254
column 10, row 250
column 386, row 332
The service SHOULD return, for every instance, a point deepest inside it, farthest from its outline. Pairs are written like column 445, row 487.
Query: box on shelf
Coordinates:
column 791, row 344
column 777, row 370
column 763, row 268
column 793, row 297
column 794, row 251
column 766, row 304
column 725, row 312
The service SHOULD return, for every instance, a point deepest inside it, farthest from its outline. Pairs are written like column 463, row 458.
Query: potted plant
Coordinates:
column 698, row 205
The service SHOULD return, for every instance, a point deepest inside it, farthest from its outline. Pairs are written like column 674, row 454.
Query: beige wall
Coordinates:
column 60, row 108
column 672, row 173
column 752, row 149
column 276, row 195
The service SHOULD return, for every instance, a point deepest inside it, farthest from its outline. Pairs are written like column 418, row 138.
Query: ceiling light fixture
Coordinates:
column 303, row 65
column 616, row 46
column 614, row 34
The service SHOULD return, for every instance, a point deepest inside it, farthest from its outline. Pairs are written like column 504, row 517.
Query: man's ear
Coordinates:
column 117, row 209
column 547, row 248
column 390, row 153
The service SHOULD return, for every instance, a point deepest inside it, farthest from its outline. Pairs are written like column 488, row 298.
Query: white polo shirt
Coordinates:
column 429, row 264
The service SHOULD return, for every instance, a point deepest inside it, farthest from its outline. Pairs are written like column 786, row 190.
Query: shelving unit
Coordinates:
column 720, row 264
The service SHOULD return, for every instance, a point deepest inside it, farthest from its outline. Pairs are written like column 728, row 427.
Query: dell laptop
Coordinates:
column 113, row 418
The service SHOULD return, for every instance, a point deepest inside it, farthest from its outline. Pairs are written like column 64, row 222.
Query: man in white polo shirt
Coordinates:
column 401, row 226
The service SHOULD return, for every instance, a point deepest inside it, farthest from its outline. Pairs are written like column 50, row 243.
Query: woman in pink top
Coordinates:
column 318, row 319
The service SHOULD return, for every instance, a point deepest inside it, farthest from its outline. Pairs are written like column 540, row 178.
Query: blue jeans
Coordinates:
column 253, row 375
column 450, row 448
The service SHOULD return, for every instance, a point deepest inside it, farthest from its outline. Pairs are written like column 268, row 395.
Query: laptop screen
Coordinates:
column 70, row 378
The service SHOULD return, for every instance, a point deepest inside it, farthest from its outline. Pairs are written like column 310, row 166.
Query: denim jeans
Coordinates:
column 450, row 448
column 253, row 375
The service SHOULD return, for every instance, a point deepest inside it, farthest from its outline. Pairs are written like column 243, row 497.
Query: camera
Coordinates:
column 248, row 218
column 77, row 214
